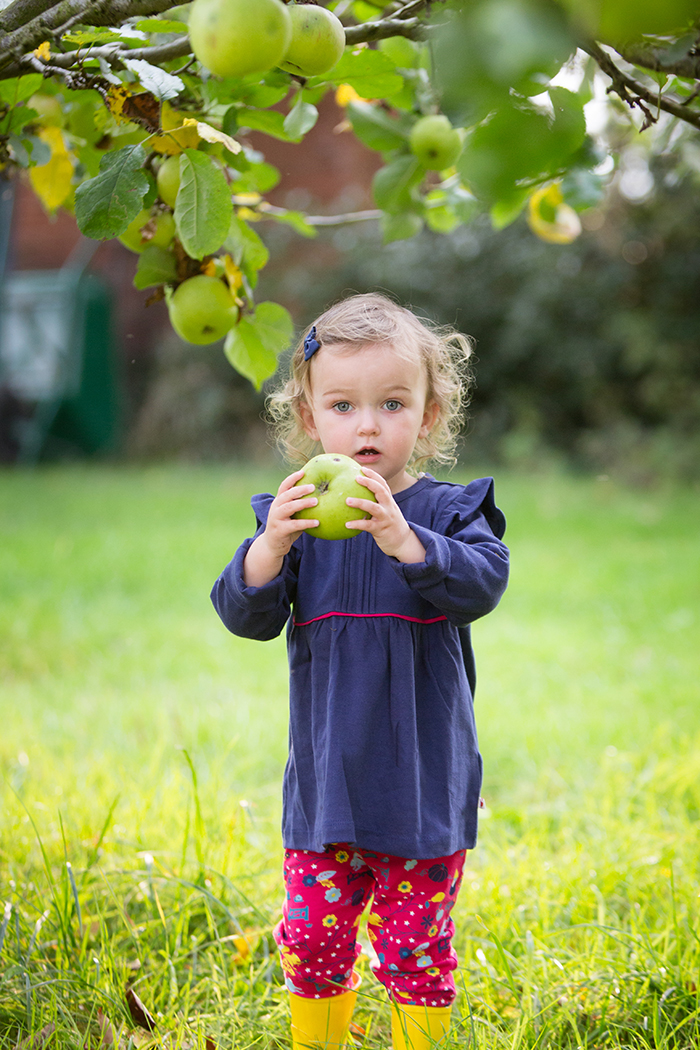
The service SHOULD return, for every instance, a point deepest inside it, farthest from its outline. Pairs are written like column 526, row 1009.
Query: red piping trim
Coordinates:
column 364, row 616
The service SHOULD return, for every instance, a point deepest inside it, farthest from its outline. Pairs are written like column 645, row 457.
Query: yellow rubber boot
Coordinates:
column 418, row 1027
column 321, row 1023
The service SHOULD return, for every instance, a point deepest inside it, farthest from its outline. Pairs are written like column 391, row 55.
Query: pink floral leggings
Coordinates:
column 409, row 922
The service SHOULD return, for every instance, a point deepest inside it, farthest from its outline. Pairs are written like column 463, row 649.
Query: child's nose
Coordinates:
column 367, row 423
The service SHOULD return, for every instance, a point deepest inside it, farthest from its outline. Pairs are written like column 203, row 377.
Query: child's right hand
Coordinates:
column 266, row 553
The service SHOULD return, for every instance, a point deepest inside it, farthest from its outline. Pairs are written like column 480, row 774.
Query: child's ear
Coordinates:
column 432, row 411
column 307, row 420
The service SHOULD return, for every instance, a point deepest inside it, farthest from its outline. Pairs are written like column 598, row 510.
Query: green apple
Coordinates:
column 435, row 142
column 168, row 180
column 202, row 309
column 334, row 476
column 161, row 233
column 318, row 40
column 235, row 37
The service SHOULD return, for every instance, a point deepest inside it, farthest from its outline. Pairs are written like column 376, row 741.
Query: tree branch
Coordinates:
column 115, row 52
column 688, row 66
column 20, row 12
column 636, row 95
column 412, row 28
column 97, row 13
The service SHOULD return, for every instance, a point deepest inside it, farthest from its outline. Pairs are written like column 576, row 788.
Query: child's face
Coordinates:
column 369, row 404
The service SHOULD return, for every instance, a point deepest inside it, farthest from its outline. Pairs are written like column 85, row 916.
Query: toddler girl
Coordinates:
column 381, row 788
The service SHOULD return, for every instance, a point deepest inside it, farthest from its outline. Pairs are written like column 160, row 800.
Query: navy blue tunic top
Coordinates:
column 382, row 741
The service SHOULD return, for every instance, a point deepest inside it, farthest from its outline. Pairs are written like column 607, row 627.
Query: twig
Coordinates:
column 635, row 94
column 413, row 28
column 322, row 220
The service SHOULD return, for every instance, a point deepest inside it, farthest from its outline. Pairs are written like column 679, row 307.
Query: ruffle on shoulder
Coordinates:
column 468, row 502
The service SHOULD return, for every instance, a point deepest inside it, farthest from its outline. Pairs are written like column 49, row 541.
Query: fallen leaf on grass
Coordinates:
column 139, row 1014
column 34, row 1042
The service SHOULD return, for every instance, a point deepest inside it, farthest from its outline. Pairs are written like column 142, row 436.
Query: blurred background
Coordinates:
column 588, row 354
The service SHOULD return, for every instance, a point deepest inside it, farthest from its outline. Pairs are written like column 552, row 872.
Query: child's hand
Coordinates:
column 266, row 553
column 387, row 525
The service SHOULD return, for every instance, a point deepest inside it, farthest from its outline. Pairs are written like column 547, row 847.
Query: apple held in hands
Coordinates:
column 334, row 477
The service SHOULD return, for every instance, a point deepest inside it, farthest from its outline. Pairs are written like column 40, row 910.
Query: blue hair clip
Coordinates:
column 311, row 344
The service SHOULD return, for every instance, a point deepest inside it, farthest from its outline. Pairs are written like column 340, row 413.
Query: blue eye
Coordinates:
column 342, row 406
column 392, row 405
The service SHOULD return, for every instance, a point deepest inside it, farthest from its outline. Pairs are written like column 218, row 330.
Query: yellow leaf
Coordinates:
column 564, row 227
column 210, row 134
column 346, row 93
column 234, row 275
column 175, row 140
column 188, row 135
column 52, row 181
column 43, row 51
column 211, row 269
column 248, row 214
column 169, row 117
column 116, row 97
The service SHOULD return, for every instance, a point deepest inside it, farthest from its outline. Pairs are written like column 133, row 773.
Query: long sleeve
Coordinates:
column 465, row 571
column 255, row 612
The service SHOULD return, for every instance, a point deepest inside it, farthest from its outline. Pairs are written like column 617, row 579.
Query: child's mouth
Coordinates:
column 367, row 453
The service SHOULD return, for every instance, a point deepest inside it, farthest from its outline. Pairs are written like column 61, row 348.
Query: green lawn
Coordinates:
column 144, row 745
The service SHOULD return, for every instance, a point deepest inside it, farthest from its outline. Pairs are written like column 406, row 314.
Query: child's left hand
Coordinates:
column 387, row 525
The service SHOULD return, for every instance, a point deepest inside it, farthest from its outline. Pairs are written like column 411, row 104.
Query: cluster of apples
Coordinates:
column 201, row 309
column 235, row 37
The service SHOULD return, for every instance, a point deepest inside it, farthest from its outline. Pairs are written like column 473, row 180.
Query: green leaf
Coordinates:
column 439, row 216
column 394, row 184
column 462, row 202
column 19, row 149
column 39, row 151
column 487, row 49
column 155, row 266
column 521, row 143
column 371, row 73
column 17, row 90
column 248, row 354
column 376, row 128
column 269, row 121
column 300, row 119
column 583, row 189
column 504, row 212
column 154, row 79
column 274, row 326
column 263, row 96
column 402, row 52
column 106, row 204
column 203, row 208
column 296, row 220
column 256, row 178
column 17, row 118
column 246, row 249
column 400, row 227
column 97, row 35
column 161, row 25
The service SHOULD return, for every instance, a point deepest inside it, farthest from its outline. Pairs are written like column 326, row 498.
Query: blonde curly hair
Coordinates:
column 367, row 320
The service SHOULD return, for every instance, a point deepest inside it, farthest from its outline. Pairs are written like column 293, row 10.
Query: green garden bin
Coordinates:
column 58, row 364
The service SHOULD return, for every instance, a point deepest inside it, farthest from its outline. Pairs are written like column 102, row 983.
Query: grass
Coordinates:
column 142, row 749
